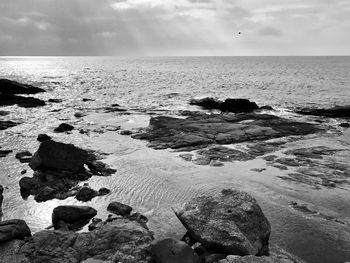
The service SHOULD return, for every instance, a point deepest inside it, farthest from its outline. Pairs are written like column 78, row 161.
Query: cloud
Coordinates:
column 167, row 27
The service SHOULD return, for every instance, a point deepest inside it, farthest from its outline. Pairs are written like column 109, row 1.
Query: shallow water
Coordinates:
column 154, row 181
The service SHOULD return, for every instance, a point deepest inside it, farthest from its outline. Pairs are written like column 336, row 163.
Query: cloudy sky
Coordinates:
column 174, row 27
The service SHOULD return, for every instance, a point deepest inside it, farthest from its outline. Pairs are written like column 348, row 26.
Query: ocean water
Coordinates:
column 154, row 181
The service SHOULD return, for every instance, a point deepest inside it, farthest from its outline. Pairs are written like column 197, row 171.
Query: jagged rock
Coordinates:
column 43, row 137
column 170, row 250
column 117, row 241
column 11, row 87
column 72, row 217
column 58, row 155
column 119, row 209
column 230, row 223
column 335, row 112
column 13, row 229
column 85, row 194
column 7, row 124
column 64, row 127
column 24, row 157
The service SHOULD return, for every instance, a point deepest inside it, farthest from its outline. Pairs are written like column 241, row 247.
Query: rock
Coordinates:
column 87, row 99
column 79, row 115
column 85, row 194
column 43, row 137
column 229, row 105
column 95, row 223
column 266, row 108
column 74, row 217
column 4, row 153
column 25, row 102
column 277, row 255
column 230, row 223
column 119, row 209
column 24, row 171
column 103, row 191
column 24, row 157
column 121, row 240
column 55, row 100
column 125, row 132
column 13, row 229
column 7, row 124
column 4, row 113
column 344, row 125
column 335, row 112
column 58, row 155
column 9, row 251
column 10, row 87
column 64, row 127
column 170, row 250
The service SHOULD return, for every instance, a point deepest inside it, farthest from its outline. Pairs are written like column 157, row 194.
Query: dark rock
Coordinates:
column 126, row 132
column 95, row 223
column 9, row 251
column 25, row 102
column 58, row 155
column 4, row 153
column 229, row 105
column 119, row 209
column 230, row 223
column 266, row 108
column 121, row 240
column 138, row 217
column 87, row 99
column 74, row 217
column 24, row 171
column 10, row 87
column 214, row 258
column 335, row 112
column 64, row 127
column 24, row 157
column 55, row 100
column 4, row 113
column 103, row 191
column 1, row 199
column 170, row 250
column 7, row 124
column 85, row 194
column 13, row 229
column 43, row 137
column 79, row 115
column 344, row 125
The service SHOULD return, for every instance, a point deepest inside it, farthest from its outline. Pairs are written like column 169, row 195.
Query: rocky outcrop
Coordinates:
column 13, row 229
column 119, row 240
column 229, row 105
column 21, row 101
column 335, row 112
column 64, row 127
column 10, row 87
column 70, row 217
column 229, row 223
column 58, row 168
column 170, row 250
column 119, row 209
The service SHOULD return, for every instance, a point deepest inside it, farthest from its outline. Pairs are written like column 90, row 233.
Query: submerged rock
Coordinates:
column 230, row 223
column 72, row 217
column 64, row 127
column 7, row 124
column 10, row 87
column 13, row 229
column 170, row 250
column 119, row 209
column 335, row 112
column 58, row 155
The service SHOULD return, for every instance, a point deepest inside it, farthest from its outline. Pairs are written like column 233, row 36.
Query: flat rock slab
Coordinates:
column 229, row 223
column 198, row 131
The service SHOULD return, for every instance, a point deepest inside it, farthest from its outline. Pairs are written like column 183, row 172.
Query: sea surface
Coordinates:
column 153, row 181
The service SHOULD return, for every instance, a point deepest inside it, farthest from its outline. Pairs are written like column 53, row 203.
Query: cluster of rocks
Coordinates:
column 9, row 91
column 58, row 168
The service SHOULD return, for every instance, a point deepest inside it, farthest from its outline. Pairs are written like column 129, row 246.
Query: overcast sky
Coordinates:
column 174, row 27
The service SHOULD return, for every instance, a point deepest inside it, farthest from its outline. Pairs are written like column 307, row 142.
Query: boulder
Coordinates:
column 119, row 209
column 207, row 103
column 13, row 229
column 43, row 137
column 58, row 155
column 170, row 250
column 335, row 112
column 72, row 217
column 64, row 127
column 229, row 223
column 229, row 105
column 11, row 87
column 85, row 194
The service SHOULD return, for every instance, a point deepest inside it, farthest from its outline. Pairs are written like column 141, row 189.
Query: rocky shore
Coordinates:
column 226, row 227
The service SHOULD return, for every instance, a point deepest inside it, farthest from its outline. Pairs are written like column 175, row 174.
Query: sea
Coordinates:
column 154, row 181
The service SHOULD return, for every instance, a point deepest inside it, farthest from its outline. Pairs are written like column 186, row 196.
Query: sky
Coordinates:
column 174, row 27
